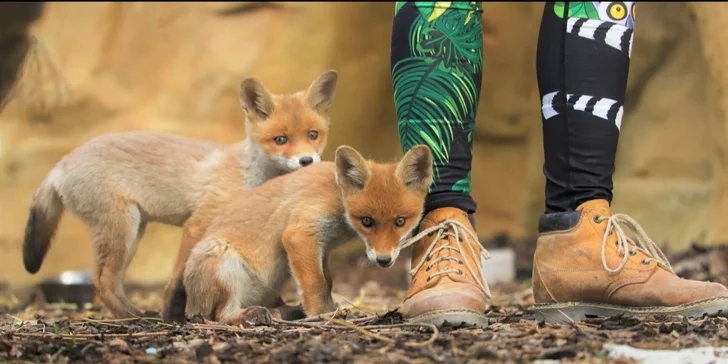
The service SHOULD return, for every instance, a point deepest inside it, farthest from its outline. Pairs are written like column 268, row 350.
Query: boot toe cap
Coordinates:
column 443, row 297
column 716, row 290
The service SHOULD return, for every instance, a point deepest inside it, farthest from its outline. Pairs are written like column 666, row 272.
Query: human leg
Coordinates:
column 436, row 60
column 584, row 263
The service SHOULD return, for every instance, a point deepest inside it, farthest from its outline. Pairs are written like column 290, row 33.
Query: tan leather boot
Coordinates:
column 585, row 265
column 447, row 280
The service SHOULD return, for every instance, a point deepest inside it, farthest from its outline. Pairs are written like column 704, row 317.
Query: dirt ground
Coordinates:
column 370, row 330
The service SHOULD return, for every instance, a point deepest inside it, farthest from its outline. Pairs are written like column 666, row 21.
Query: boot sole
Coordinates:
column 455, row 317
column 570, row 312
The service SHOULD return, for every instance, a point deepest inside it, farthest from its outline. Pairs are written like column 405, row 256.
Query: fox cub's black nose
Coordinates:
column 305, row 161
column 384, row 261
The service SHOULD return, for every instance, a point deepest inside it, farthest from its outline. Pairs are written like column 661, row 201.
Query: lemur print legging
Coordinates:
column 582, row 64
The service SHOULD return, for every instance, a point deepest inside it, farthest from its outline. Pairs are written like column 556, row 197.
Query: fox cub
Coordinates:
column 118, row 183
column 247, row 253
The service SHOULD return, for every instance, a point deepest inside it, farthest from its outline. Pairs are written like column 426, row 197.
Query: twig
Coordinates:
column 87, row 336
column 326, row 316
column 435, row 332
column 332, row 316
column 343, row 298
column 361, row 331
column 147, row 319
column 165, row 324
column 100, row 322
column 126, row 319
column 221, row 327
column 215, row 327
column 301, row 324
column 364, row 319
column 15, row 318
column 321, row 317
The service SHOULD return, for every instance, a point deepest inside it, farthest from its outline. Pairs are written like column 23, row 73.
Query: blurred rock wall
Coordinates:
column 95, row 68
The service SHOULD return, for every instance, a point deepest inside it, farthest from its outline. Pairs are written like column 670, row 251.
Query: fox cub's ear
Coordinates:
column 352, row 171
column 415, row 168
column 321, row 92
column 255, row 99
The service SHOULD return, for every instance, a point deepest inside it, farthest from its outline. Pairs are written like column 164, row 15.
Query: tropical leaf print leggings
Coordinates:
column 582, row 65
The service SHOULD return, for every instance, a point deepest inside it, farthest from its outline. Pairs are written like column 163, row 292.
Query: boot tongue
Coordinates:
column 433, row 218
column 440, row 253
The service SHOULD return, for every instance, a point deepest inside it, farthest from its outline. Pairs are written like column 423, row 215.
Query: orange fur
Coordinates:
column 118, row 183
column 289, row 223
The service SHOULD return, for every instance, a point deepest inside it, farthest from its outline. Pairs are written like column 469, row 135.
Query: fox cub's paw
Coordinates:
column 253, row 316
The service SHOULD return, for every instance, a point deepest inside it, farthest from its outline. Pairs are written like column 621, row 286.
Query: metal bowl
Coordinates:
column 69, row 287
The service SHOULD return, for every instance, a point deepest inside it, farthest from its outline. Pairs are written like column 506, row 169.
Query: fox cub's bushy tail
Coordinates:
column 45, row 213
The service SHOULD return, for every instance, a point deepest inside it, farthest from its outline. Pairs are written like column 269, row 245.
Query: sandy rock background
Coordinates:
column 95, row 68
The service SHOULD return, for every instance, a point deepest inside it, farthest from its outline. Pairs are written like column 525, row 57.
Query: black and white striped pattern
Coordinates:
column 601, row 107
column 612, row 34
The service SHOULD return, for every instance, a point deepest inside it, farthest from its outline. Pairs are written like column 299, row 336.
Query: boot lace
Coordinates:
column 456, row 230
column 627, row 246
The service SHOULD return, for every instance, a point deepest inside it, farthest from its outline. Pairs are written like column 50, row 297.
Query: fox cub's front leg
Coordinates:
column 329, row 281
column 306, row 257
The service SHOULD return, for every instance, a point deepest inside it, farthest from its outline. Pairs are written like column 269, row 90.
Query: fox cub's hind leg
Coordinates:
column 175, row 296
column 220, row 286
column 115, row 238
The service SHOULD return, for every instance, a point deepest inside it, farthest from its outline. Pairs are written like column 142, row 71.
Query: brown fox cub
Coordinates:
column 247, row 253
column 118, row 183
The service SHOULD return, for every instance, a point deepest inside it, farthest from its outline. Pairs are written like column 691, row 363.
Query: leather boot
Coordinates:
column 585, row 265
column 447, row 280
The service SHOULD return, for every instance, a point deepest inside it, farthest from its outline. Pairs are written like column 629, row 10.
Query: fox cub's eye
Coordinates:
column 399, row 221
column 313, row 134
column 367, row 221
column 280, row 140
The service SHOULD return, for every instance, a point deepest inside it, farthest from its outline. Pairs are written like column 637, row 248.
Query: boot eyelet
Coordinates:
column 460, row 272
column 429, row 279
column 616, row 243
column 633, row 253
column 597, row 219
column 428, row 269
column 429, row 258
column 460, row 262
column 431, row 234
column 645, row 262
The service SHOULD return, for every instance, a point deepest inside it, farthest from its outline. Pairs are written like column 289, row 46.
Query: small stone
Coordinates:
column 121, row 344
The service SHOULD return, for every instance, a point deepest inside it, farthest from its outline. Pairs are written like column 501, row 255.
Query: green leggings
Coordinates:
column 582, row 65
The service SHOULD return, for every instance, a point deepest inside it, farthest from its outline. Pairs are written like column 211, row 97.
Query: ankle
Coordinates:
column 470, row 214
column 473, row 221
